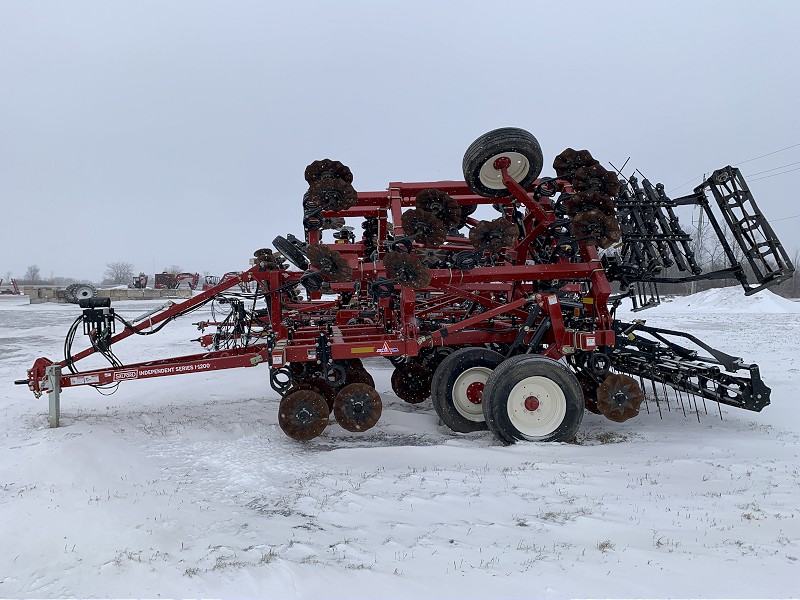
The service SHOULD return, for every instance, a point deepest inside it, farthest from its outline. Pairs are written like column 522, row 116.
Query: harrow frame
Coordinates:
column 526, row 285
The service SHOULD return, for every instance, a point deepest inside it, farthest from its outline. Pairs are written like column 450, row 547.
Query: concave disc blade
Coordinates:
column 619, row 397
column 357, row 407
column 303, row 415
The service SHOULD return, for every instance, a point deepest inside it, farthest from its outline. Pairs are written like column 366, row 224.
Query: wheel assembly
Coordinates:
column 330, row 263
column 491, row 236
column 424, row 227
column 79, row 291
column 441, row 205
column 594, row 227
column 533, row 398
column 571, row 160
column 291, row 252
column 332, row 194
column 517, row 145
column 595, row 178
column 303, row 415
column 619, row 397
column 412, row 382
column 458, row 386
column 357, row 407
column 328, row 169
column 407, row 270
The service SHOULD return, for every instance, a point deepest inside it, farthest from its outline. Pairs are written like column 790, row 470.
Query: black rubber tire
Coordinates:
column 491, row 145
column 290, row 252
column 444, row 382
column 512, row 372
column 82, row 291
column 69, row 293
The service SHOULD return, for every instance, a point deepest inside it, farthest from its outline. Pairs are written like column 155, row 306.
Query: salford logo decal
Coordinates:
column 386, row 350
column 123, row 375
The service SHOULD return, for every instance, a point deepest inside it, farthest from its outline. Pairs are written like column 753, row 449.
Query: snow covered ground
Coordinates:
column 185, row 486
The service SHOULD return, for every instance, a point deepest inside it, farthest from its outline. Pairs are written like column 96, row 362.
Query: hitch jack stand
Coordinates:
column 53, row 374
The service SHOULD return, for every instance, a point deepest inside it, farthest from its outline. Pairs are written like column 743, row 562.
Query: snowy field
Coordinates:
column 186, row 486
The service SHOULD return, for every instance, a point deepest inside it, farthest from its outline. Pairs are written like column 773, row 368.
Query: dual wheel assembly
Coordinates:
column 526, row 397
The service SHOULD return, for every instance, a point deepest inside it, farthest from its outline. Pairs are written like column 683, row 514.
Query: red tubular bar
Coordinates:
column 172, row 311
column 296, row 326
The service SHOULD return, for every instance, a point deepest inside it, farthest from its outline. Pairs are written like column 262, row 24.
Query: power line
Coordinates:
column 742, row 163
column 767, row 154
column 775, row 174
column 784, row 218
column 775, row 169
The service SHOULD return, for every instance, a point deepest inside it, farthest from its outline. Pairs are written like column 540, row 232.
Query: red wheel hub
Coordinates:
column 502, row 162
column 531, row 403
column 475, row 392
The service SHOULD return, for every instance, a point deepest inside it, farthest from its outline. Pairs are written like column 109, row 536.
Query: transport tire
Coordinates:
column 291, row 252
column 533, row 398
column 458, row 386
column 518, row 145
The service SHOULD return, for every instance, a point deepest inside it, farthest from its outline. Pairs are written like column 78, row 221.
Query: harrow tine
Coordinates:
column 680, row 400
column 666, row 397
column 644, row 393
column 655, row 394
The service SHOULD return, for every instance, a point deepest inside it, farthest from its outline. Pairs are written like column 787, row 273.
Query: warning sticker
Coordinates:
column 84, row 379
column 385, row 349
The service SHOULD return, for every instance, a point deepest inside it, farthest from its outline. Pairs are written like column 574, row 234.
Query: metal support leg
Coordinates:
column 53, row 374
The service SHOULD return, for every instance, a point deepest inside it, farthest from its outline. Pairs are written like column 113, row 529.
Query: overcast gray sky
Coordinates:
column 163, row 133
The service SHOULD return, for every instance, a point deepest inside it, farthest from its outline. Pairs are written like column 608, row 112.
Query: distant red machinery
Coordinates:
column 14, row 289
column 139, row 282
column 506, row 323
column 211, row 281
column 173, row 281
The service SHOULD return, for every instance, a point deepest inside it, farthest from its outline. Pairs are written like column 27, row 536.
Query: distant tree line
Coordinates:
column 116, row 273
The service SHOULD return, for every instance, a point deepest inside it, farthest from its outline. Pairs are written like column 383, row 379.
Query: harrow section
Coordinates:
column 506, row 323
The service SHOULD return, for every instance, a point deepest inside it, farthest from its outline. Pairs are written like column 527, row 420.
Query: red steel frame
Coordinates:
column 395, row 331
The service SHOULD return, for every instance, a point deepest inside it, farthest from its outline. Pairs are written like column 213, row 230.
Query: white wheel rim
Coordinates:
column 493, row 179
column 461, row 395
column 83, row 292
column 549, row 401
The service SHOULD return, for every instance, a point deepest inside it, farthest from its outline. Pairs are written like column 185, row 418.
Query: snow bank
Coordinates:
column 729, row 299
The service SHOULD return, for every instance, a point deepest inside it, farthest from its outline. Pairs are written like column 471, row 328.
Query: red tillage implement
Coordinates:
column 507, row 324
